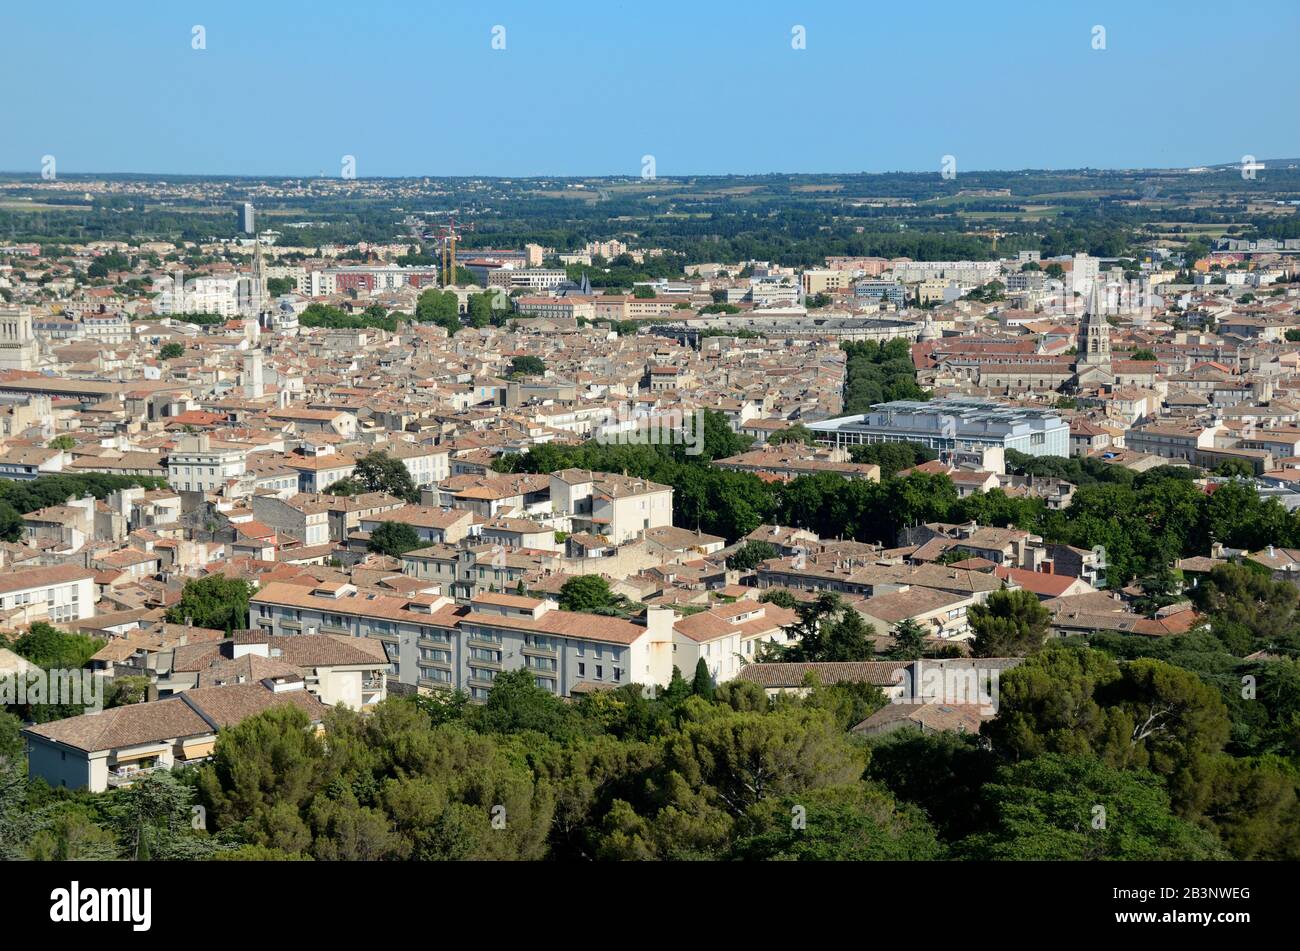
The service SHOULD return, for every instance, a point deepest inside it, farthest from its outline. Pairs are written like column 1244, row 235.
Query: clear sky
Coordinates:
column 414, row 87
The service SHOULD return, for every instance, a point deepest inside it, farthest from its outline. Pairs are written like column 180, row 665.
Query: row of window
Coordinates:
column 616, row 672
column 24, row 598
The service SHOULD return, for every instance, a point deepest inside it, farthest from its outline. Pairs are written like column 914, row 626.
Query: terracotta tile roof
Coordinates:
column 880, row 673
column 42, row 577
column 132, row 725
column 932, row 716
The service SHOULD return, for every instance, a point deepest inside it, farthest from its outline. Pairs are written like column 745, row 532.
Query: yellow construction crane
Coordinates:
column 450, row 235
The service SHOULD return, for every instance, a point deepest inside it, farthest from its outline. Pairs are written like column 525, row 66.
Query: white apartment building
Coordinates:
column 426, row 464
column 1084, row 272
column 57, row 594
column 967, row 272
column 535, row 279
column 198, row 465
column 771, row 293
column 728, row 636
column 433, row 643
column 107, row 328
column 618, row 507
column 200, row 295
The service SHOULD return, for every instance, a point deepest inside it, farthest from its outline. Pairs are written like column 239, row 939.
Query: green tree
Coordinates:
column 11, row 739
column 48, row 647
column 1246, row 606
column 154, row 819
column 796, row 433
column 856, row 822
column 527, row 366
column 379, row 472
column 1057, row 807
column 586, row 593
column 69, row 833
column 827, row 630
column 909, row 641
column 439, row 307
column 263, row 771
column 941, row 773
column 1139, row 714
column 1009, row 624
column 171, row 350
column 394, row 538
column 515, row 703
column 215, row 602
column 702, row 685
column 750, row 555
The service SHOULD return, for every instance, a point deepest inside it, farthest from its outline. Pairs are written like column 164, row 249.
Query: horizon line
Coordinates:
column 632, row 176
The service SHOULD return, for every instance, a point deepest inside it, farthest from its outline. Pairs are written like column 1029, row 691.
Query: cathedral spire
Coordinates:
column 1094, row 332
column 1094, row 308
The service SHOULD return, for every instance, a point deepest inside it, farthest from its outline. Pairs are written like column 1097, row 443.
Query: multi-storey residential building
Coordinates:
column 1170, row 440
column 627, row 307
column 617, row 507
column 890, row 291
column 22, row 463
column 318, row 472
column 431, row 642
column 304, row 517
column 57, row 594
column 336, row 669
column 1020, row 281
column 966, row 272
column 770, row 292
column 437, row 525
column 824, row 280
column 371, row 278
column 533, row 279
column 107, row 328
column 937, row 291
column 426, row 464
column 939, row 613
column 198, row 464
column 556, row 308
column 200, row 295
column 729, row 636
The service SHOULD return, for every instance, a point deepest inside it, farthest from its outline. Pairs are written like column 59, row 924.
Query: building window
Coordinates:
column 582, row 670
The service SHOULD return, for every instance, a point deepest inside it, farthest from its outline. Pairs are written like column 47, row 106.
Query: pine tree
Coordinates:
column 702, row 685
column 909, row 641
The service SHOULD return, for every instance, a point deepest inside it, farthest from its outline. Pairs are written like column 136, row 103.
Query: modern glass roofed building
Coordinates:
column 955, row 423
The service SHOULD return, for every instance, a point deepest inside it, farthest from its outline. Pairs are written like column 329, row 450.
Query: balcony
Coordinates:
column 126, row 775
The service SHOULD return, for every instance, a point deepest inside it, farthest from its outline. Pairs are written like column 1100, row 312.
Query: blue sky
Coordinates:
column 290, row 87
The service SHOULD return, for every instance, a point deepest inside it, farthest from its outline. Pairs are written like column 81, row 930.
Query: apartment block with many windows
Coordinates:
column 433, row 643
column 58, row 594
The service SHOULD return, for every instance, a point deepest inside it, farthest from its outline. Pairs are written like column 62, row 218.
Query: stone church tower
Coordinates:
column 1092, row 366
column 1094, row 335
